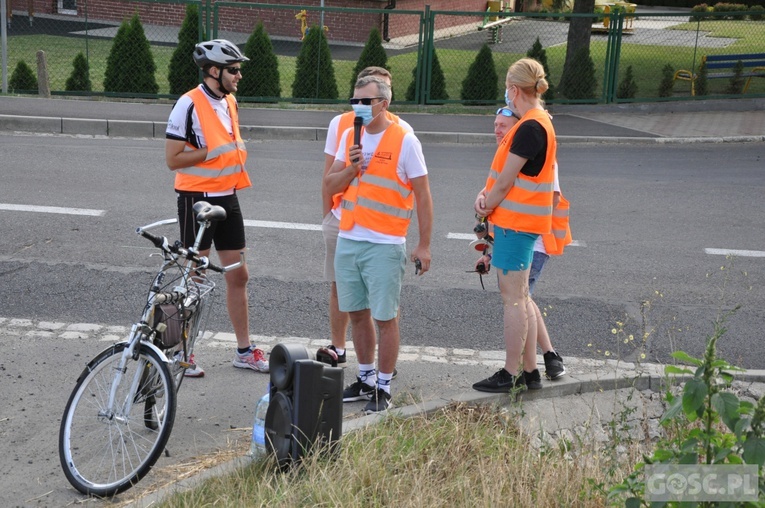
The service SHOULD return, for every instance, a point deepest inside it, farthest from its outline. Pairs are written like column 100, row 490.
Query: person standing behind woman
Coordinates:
column 554, row 369
column 518, row 201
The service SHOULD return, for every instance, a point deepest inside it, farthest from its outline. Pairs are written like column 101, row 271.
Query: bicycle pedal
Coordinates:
column 186, row 365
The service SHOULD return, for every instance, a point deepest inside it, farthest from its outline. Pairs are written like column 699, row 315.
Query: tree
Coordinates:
column 260, row 76
column 538, row 53
column 667, row 81
column 23, row 79
column 627, row 87
column 373, row 54
column 314, row 73
column 183, row 73
column 579, row 31
column 480, row 84
column 79, row 80
column 130, row 65
column 580, row 83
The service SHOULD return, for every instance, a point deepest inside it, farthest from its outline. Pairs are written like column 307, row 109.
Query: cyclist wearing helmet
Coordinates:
column 205, row 150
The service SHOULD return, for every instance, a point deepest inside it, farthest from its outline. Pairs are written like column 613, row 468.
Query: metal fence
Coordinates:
column 653, row 45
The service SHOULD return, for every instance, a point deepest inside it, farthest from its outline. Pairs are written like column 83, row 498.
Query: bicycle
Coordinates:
column 120, row 414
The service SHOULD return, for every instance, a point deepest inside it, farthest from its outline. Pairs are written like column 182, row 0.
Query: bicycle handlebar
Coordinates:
column 202, row 262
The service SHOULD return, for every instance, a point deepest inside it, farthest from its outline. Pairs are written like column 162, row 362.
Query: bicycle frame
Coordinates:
column 193, row 269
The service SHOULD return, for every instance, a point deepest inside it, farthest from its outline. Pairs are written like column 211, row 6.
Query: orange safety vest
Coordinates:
column 379, row 200
column 560, row 236
column 223, row 169
column 345, row 123
column 528, row 205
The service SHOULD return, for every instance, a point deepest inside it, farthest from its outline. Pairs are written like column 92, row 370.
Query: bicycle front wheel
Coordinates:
column 106, row 450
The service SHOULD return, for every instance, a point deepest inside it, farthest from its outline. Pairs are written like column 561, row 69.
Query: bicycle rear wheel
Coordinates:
column 106, row 451
column 192, row 330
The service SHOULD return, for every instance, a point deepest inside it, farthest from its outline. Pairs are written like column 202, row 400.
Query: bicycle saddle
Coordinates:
column 206, row 212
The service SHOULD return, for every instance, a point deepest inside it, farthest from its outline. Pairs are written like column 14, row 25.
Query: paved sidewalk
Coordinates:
column 741, row 120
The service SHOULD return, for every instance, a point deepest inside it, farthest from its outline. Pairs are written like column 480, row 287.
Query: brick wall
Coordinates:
column 344, row 27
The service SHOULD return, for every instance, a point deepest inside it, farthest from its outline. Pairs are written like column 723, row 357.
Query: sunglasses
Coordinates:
column 233, row 70
column 367, row 101
column 506, row 112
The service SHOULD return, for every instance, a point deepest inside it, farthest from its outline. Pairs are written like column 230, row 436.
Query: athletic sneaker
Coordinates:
column 380, row 401
column 532, row 379
column 500, row 382
column 340, row 357
column 194, row 370
column 358, row 391
column 554, row 368
column 254, row 359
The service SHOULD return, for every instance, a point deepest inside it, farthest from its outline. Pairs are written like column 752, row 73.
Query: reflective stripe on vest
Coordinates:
column 560, row 236
column 379, row 200
column 345, row 123
column 527, row 206
column 223, row 167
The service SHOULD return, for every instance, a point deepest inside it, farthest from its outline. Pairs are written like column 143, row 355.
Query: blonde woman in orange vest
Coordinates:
column 518, row 201
column 545, row 245
column 381, row 179
column 338, row 321
column 204, row 148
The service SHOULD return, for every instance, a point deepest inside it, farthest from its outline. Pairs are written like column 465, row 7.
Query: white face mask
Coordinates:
column 363, row 112
column 511, row 102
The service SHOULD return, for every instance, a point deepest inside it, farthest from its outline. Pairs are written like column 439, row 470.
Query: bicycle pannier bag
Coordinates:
column 171, row 316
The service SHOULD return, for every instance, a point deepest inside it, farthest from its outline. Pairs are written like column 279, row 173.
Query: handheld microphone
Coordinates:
column 357, row 123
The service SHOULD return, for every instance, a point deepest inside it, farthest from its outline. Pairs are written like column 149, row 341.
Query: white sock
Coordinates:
column 368, row 374
column 383, row 381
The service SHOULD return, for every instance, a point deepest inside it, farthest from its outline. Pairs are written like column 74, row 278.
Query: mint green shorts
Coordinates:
column 369, row 276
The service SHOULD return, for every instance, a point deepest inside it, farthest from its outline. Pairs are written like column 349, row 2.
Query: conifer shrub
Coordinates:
column 702, row 85
column 314, row 73
column 581, row 83
column 260, row 76
column 23, row 79
column 538, row 53
column 79, row 80
column 130, row 65
column 183, row 73
column 480, row 84
column 437, row 82
column 736, row 83
column 373, row 55
column 667, row 84
column 627, row 87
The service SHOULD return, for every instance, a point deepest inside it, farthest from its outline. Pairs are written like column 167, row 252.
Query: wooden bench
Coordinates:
column 754, row 65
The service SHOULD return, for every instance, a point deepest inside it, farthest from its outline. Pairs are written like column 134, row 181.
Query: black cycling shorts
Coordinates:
column 227, row 234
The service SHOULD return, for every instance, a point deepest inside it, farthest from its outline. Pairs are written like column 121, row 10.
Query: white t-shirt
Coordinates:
column 331, row 143
column 539, row 245
column 177, row 124
column 411, row 164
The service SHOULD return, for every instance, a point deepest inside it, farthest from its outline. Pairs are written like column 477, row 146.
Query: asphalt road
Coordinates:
column 643, row 217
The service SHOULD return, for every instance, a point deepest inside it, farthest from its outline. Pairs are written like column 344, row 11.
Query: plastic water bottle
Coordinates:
column 258, row 445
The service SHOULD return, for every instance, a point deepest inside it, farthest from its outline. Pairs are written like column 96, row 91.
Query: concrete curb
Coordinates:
column 642, row 377
column 150, row 129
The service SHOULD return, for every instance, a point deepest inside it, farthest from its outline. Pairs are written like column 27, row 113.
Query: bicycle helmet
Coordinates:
column 217, row 52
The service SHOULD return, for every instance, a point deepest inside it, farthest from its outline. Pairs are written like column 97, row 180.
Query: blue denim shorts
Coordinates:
column 369, row 276
column 512, row 249
column 540, row 258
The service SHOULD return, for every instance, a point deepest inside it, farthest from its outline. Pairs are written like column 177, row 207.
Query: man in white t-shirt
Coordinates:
column 383, row 179
column 338, row 320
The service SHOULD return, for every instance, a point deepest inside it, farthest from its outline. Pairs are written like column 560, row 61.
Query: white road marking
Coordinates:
column 733, row 252
column 51, row 209
column 282, row 225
